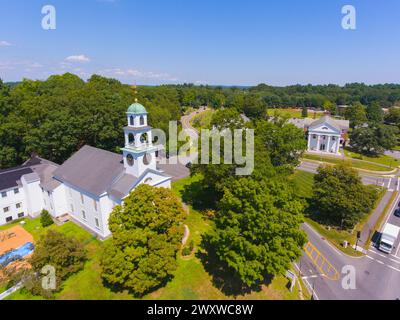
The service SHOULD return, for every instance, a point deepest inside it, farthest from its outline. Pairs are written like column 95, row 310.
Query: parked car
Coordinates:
column 397, row 212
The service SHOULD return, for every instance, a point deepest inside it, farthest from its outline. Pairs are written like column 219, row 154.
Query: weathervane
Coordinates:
column 134, row 88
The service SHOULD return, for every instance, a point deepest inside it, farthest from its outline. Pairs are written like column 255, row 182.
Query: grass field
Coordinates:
column 293, row 113
column 203, row 119
column 191, row 280
column 303, row 182
column 357, row 164
column 381, row 159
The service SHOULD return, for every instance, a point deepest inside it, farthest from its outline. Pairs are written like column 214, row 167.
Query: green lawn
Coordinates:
column 382, row 159
column 293, row 113
column 203, row 119
column 303, row 182
column 191, row 280
column 357, row 164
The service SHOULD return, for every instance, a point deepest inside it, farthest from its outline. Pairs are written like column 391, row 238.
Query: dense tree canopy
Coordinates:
column 257, row 229
column 57, row 116
column 147, row 231
column 374, row 139
column 356, row 114
column 339, row 196
column 285, row 143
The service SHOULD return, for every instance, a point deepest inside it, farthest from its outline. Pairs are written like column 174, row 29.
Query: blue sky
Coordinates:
column 230, row 42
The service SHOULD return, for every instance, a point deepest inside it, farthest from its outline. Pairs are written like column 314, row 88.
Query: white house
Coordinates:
column 89, row 184
column 325, row 135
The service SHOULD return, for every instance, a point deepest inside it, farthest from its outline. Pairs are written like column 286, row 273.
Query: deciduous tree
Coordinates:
column 339, row 196
column 147, row 231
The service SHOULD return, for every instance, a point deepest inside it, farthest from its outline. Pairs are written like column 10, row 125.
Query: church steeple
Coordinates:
column 139, row 151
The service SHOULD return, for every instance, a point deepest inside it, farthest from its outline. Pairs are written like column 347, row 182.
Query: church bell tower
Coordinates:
column 139, row 152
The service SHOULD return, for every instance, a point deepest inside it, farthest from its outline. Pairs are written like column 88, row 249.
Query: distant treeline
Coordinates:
column 55, row 117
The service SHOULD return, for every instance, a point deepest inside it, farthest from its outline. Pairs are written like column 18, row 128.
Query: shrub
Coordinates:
column 187, row 250
column 46, row 219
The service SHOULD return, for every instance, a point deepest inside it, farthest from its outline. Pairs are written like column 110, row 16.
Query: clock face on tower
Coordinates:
column 129, row 159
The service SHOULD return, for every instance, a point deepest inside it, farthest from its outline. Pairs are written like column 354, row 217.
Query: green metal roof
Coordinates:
column 136, row 108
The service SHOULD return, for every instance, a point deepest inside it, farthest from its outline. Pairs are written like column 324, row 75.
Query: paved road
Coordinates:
column 176, row 166
column 393, row 153
column 377, row 274
column 391, row 182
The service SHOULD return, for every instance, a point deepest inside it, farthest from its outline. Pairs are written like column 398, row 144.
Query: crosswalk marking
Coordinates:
column 321, row 262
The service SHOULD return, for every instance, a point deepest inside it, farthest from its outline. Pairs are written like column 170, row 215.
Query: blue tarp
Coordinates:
column 16, row 254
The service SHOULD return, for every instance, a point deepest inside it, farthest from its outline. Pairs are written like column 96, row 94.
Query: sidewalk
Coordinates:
column 368, row 229
column 6, row 293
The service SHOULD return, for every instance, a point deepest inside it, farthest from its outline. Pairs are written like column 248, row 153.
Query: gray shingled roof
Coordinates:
column 11, row 178
column 123, row 186
column 308, row 122
column 91, row 169
column 325, row 119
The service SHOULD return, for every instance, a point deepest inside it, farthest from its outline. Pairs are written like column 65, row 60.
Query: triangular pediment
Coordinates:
column 324, row 127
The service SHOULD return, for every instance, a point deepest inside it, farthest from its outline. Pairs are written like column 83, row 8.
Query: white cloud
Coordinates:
column 5, row 44
column 78, row 58
column 137, row 74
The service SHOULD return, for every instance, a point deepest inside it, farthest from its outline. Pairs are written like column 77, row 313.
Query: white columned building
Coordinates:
column 326, row 135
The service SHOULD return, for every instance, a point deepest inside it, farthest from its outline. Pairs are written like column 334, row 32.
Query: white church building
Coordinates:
column 87, row 186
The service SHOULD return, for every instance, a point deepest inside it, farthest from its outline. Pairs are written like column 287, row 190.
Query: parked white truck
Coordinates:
column 388, row 238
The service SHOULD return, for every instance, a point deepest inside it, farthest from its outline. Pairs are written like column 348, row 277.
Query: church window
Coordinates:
column 97, row 222
column 16, row 191
column 141, row 120
column 21, row 215
column 314, row 136
column 82, row 199
column 131, row 138
column 6, row 209
column 4, row 194
column 333, row 138
column 147, row 159
column 83, row 214
column 18, row 205
column 130, row 160
column 95, row 205
column 131, row 121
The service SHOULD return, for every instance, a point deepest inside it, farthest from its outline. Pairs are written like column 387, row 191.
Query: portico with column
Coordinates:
column 324, row 136
column 324, row 143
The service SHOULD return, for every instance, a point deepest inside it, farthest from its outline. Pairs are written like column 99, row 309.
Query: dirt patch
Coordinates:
column 13, row 238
